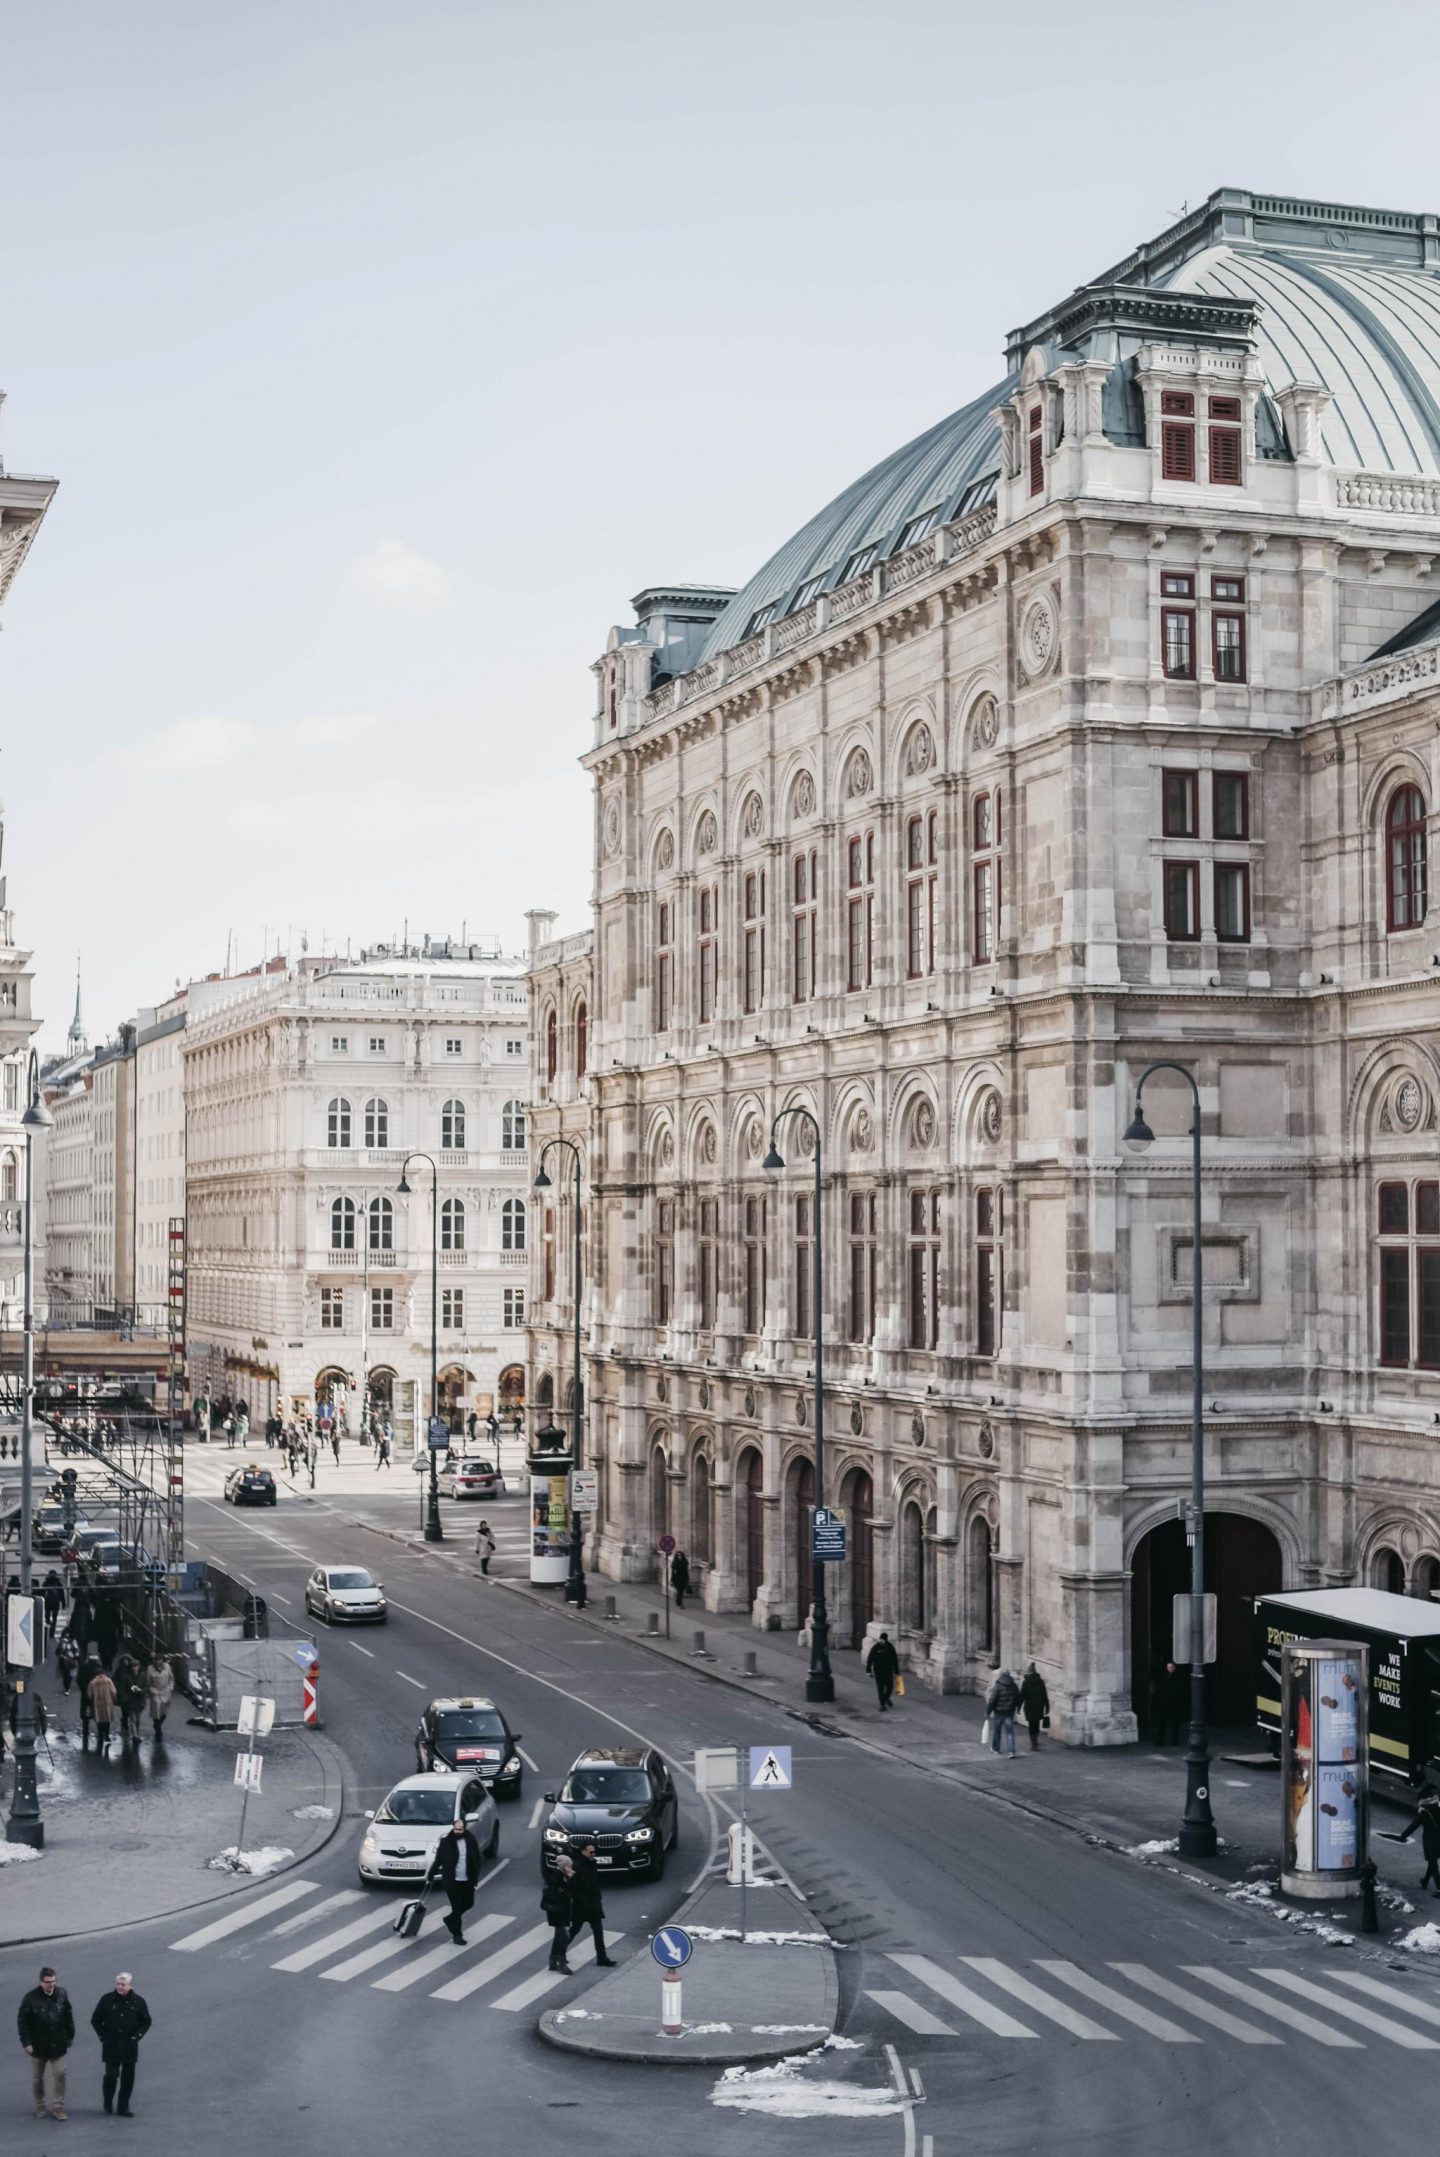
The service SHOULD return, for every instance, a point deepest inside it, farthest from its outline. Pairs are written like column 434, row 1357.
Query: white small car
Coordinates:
column 345, row 1595
column 399, row 1844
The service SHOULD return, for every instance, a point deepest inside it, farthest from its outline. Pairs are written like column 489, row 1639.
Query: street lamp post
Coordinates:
column 434, row 1533
column 25, row 1824
column 575, row 1585
column 1197, row 1830
column 819, row 1684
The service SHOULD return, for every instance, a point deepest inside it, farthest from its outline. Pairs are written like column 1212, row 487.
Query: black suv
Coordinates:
column 620, row 1798
column 472, row 1736
column 250, row 1486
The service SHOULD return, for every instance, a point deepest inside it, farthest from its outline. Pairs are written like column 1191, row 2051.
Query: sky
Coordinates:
column 383, row 351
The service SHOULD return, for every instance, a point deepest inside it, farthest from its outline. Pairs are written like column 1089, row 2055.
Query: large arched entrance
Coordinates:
column 800, row 1500
column 453, row 1383
column 857, row 1501
column 511, row 1401
column 749, row 1484
column 1242, row 1560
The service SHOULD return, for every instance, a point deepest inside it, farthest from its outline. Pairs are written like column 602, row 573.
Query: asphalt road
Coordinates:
column 980, row 1956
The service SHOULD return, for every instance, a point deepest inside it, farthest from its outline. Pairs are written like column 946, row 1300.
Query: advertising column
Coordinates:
column 550, row 1517
column 1324, row 1766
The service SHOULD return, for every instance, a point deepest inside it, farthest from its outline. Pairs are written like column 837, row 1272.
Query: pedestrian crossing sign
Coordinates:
column 770, row 1767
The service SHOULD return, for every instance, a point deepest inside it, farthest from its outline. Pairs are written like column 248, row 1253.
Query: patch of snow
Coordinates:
column 779, row 2092
column 17, row 1853
column 1260, row 1895
column 759, row 1939
column 1394, row 1900
column 254, row 1862
column 842, row 2044
column 1154, row 1849
column 578, row 2014
column 709, row 2029
column 312, row 1812
column 1421, row 1939
column 785, row 2029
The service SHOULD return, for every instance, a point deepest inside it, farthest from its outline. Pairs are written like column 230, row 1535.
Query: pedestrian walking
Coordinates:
column 130, row 1696
column 335, row 1442
column 470, row 1421
column 1034, row 1704
column 229, row 1434
column 67, row 1659
column 585, row 1904
column 120, row 2020
column 1000, row 1706
column 46, row 2022
column 312, row 1456
column 160, row 1689
column 1171, row 1695
column 883, row 1664
column 457, row 1866
column 202, row 1419
column 102, row 1696
column 484, row 1545
column 52, row 1590
column 382, row 1453
column 557, row 1903
column 680, row 1577
column 90, row 1668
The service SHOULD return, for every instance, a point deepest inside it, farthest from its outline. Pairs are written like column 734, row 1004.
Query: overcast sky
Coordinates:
column 385, row 348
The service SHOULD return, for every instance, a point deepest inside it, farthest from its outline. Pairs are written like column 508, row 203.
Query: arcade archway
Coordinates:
column 1242, row 1560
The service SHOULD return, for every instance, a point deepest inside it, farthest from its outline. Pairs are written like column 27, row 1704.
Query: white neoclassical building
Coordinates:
column 1098, row 726
column 309, row 1271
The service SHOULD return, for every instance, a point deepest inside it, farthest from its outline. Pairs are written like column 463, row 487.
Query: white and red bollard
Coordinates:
column 671, row 2024
column 310, row 1701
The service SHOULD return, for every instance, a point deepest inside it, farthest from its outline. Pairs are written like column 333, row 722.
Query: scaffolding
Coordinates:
column 175, row 1407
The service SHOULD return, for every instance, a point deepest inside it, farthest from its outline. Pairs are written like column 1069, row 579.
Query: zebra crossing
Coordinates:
column 1264, row 2005
column 359, row 1947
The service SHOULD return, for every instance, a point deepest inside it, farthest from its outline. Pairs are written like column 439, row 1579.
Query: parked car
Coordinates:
column 400, row 1840
column 50, row 1533
column 472, row 1479
column 103, row 1547
column 622, row 1799
column 345, row 1595
column 471, row 1734
column 250, row 1486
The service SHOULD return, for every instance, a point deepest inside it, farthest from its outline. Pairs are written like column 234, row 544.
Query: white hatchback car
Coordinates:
column 400, row 1841
column 345, row 1595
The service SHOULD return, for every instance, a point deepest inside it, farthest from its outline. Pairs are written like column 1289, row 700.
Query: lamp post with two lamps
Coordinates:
column 819, row 1683
column 1197, row 1830
column 575, row 1584
column 434, row 1533
column 25, row 1824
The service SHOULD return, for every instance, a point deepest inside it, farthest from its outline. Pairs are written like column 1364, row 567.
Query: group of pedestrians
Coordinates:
column 570, row 1900
column 128, row 1689
column 46, row 2022
column 1010, row 1697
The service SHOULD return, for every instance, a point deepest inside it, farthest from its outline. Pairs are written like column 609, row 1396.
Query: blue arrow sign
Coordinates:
column 672, row 1948
column 304, row 1653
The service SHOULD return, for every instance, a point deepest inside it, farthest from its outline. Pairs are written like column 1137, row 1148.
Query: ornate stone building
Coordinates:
column 1099, row 725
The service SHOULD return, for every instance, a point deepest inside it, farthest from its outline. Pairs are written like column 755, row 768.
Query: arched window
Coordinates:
column 699, row 1509
column 452, row 1224
column 1425, row 1579
column 9, row 1178
column 1405, row 868
column 552, row 1045
column 582, row 1040
column 913, row 1613
column 512, row 1127
column 545, row 1391
column 512, row 1225
column 377, row 1124
column 980, row 1587
column 337, row 1123
column 382, row 1225
column 1387, row 1571
column 342, row 1224
column 452, row 1127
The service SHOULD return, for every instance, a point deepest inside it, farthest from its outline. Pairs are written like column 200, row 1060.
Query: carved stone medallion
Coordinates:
column 922, row 1126
column 749, row 1401
column 990, row 1118
column 612, row 829
column 706, row 835
column 754, row 817
column 665, row 851
column 919, row 752
column 1039, row 635
column 858, row 775
column 987, row 1440
column 803, row 796
column 1409, row 1102
column 857, row 1420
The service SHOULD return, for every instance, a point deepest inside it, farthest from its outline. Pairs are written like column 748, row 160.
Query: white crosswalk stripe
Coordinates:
column 546, row 1980
column 912, row 2014
column 305, row 1958
column 1351, row 2011
column 1068, row 2017
column 1202, row 2010
column 1278, row 2010
column 246, row 1914
column 415, row 1972
column 504, row 1958
column 969, row 2002
column 316, row 1911
column 1391, row 1994
column 1169, row 2033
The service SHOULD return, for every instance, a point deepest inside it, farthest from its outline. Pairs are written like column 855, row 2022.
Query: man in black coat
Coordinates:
column 120, row 2020
column 586, row 1904
column 680, row 1578
column 46, row 2022
column 883, row 1665
column 457, row 1867
column 558, row 1904
column 1034, row 1703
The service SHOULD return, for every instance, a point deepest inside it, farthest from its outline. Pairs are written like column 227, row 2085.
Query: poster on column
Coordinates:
column 1337, row 1710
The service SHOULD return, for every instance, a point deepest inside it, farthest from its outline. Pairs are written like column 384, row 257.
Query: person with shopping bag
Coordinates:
column 1000, row 1707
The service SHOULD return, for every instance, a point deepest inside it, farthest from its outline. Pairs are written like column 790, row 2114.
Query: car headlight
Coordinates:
column 511, row 1767
column 556, row 1834
column 641, row 1834
column 370, row 1846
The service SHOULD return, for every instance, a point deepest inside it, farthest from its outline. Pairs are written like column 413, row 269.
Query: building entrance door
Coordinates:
column 1242, row 1560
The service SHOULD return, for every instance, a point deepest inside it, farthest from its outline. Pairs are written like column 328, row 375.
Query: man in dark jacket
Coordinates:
column 1172, row 1697
column 680, row 1578
column 120, row 2020
column 883, row 1665
column 586, row 1904
column 1003, row 1700
column 457, row 1867
column 46, row 2022
column 557, row 1903
column 1034, row 1703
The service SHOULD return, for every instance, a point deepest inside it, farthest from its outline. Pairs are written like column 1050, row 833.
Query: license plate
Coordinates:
column 470, row 1752
column 604, row 1860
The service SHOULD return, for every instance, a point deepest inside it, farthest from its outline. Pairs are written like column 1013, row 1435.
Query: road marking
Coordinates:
column 916, row 2084
column 438, row 1957
column 1059, row 2011
column 368, row 1958
column 410, row 1681
column 546, row 1980
column 961, row 1996
column 1200, row 2009
column 305, row 1958
column 1350, row 2011
column 527, row 1760
column 460, row 1988
column 535, row 1811
column 246, row 1915
column 276, row 1597
column 1280, row 2010
column 1390, row 1993
column 1105, row 1996
column 897, row 2072
column 912, row 2014
column 363, row 1651
column 312, row 1916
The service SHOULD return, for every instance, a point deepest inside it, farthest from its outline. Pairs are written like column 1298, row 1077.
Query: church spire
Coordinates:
column 75, row 1041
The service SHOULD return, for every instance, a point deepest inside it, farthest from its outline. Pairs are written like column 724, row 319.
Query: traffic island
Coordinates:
column 774, row 1993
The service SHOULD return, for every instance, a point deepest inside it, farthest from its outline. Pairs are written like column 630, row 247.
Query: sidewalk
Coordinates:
column 129, row 1837
column 775, row 1994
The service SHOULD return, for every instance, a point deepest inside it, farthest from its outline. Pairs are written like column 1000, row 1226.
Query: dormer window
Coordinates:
column 862, row 559
column 917, row 529
column 1223, row 444
column 809, row 591
column 1036, row 451
column 1177, row 434
column 763, row 617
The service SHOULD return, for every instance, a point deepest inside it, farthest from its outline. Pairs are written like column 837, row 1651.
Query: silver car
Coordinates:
column 345, row 1595
column 403, row 1834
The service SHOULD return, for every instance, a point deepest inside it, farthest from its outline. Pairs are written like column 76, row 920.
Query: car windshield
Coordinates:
column 477, row 1467
column 419, row 1808
column 356, row 1577
column 608, row 1786
column 470, row 1723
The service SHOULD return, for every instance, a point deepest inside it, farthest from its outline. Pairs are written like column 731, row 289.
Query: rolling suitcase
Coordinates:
column 408, row 1923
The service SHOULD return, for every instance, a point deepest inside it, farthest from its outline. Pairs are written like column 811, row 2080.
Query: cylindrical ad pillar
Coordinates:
column 550, row 1517
column 1324, row 1767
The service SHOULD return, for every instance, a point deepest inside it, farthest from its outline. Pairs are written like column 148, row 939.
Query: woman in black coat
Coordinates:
column 457, row 1867
column 556, row 1902
column 1034, row 1703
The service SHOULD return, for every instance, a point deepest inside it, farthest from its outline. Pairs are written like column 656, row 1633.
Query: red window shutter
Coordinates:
column 1224, row 408
column 1224, row 456
column 1177, row 451
column 1179, row 402
column 1037, row 464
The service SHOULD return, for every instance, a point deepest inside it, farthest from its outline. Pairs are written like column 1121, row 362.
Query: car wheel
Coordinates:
column 512, row 1795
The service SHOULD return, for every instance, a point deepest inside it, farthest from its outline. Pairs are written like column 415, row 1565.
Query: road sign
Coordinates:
column 304, row 1653
column 672, row 1948
column 438, row 1431
column 584, row 1489
column 770, row 1767
column 665, row 1545
column 1180, row 1624
column 247, row 1771
column 717, row 1768
column 827, row 1533
column 257, row 1715
column 23, row 1626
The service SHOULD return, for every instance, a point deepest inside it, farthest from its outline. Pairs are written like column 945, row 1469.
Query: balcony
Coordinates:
column 514, row 1258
